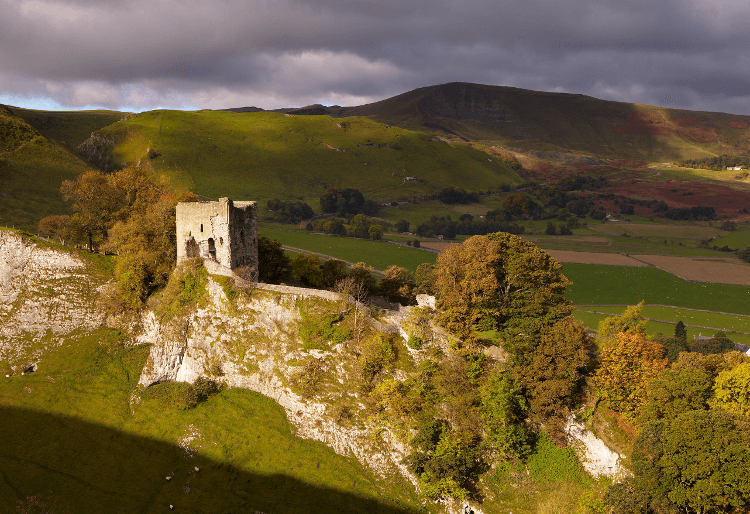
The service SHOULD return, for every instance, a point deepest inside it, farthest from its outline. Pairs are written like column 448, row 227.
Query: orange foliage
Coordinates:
column 628, row 364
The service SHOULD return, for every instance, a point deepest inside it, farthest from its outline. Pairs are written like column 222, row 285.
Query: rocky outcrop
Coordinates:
column 254, row 343
column 44, row 293
column 596, row 458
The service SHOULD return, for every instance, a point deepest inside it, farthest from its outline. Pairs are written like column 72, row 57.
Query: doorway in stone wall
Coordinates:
column 211, row 248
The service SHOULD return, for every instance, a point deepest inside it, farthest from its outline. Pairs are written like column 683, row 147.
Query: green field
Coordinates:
column 654, row 327
column 668, row 318
column 75, row 438
column 735, row 240
column 597, row 284
column 584, row 240
column 659, row 230
column 378, row 254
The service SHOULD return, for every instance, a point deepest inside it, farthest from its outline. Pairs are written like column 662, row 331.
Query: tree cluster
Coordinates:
column 718, row 163
column 128, row 213
column 452, row 194
column 288, row 212
column 347, row 201
column 689, row 401
column 466, row 225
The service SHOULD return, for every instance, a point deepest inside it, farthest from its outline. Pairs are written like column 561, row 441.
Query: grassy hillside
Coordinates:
column 75, row 438
column 533, row 121
column 32, row 167
column 266, row 155
column 69, row 128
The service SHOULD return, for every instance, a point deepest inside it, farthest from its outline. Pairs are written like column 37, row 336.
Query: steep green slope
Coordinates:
column 77, row 435
column 69, row 128
column 557, row 122
column 266, row 155
column 31, row 170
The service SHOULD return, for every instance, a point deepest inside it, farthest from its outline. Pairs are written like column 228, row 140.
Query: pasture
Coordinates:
column 659, row 230
column 591, row 320
column 378, row 254
column 734, row 240
column 617, row 285
column 81, row 442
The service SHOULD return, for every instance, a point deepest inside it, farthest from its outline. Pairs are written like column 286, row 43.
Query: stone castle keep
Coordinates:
column 225, row 232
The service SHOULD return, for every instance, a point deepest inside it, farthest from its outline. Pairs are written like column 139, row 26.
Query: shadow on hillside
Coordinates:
column 82, row 467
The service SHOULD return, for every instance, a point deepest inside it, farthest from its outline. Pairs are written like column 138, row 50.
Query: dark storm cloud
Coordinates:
column 273, row 53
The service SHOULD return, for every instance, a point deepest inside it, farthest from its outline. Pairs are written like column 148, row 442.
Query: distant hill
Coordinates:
column 548, row 123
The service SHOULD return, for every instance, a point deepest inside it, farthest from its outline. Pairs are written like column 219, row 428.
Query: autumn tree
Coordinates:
column 732, row 388
column 397, row 285
column 424, row 278
column 555, row 373
column 57, row 225
column 500, row 277
column 95, row 200
column 142, row 232
column 628, row 364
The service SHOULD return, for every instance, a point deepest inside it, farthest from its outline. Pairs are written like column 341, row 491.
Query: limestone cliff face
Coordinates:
column 254, row 343
column 44, row 293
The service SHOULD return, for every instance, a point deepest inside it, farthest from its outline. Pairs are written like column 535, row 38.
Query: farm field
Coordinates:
column 591, row 241
column 717, row 320
column 617, row 285
column 725, row 270
column 610, row 259
column 378, row 254
column 592, row 320
column 658, row 230
column 735, row 240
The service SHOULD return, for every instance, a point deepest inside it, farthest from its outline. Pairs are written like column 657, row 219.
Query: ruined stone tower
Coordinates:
column 225, row 232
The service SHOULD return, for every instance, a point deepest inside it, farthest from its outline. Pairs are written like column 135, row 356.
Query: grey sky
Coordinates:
column 137, row 54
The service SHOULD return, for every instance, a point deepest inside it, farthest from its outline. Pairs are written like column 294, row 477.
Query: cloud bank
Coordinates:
column 138, row 55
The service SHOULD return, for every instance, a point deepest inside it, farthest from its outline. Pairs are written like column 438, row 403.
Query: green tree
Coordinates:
column 375, row 232
column 444, row 460
column 697, row 462
column 504, row 277
column 675, row 391
column 629, row 321
column 719, row 343
column 680, row 332
column 402, row 226
column 333, row 271
column 359, row 226
column 361, row 273
column 273, row 264
column 504, row 409
column 306, row 269
column 672, row 346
